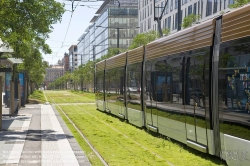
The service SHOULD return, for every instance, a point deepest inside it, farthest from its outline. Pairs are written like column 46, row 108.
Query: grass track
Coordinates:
column 126, row 147
column 94, row 160
column 122, row 144
column 69, row 97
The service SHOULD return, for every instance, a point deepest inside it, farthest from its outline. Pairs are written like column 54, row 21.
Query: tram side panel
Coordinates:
column 134, row 89
column 134, row 107
column 114, row 80
column 164, row 108
column 234, row 87
column 177, row 105
column 99, row 78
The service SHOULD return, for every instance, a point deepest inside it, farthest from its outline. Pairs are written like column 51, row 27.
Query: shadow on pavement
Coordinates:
column 33, row 135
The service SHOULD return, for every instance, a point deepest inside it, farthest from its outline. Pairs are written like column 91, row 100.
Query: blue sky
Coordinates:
column 79, row 22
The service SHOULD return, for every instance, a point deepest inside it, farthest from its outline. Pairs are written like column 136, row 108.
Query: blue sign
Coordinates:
column 21, row 80
column 7, row 84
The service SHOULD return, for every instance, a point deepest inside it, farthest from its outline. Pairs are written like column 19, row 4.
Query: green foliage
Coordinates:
column 189, row 20
column 143, row 39
column 34, row 66
column 166, row 31
column 239, row 3
column 70, row 96
column 111, row 52
column 28, row 24
column 222, row 12
column 25, row 27
column 37, row 95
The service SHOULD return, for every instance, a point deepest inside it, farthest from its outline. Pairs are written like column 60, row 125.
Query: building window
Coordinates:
column 169, row 22
column 149, row 23
column 151, row 9
column 171, row 5
column 230, row 2
column 173, row 22
column 162, row 6
column 167, row 7
column 215, row 6
column 201, row 8
column 176, row 4
column 190, row 9
column 195, row 7
column 176, row 20
column 209, row 8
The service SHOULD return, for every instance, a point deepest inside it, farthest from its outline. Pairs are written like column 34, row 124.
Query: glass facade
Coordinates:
column 234, row 88
column 203, row 8
column 97, row 40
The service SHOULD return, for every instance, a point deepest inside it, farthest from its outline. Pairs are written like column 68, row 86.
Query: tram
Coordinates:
column 192, row 86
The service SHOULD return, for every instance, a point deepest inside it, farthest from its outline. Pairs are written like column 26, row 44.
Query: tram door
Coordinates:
column 193, row 74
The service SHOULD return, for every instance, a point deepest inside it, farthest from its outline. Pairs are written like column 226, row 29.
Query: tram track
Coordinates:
column 127, row 137
column 76, row 105
column 79, row 132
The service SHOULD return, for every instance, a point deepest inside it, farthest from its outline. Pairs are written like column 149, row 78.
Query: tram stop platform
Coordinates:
column 37, row 135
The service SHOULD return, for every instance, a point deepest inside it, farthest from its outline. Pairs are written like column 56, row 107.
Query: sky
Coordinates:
column 69, row 30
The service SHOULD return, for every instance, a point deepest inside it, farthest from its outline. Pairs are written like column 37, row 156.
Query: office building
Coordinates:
column 111, row 18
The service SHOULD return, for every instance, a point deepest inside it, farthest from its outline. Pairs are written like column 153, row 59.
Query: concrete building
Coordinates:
column 65, row 62
column 112, row 17
column 52, row 73
column 205, row 8
column 72, row 58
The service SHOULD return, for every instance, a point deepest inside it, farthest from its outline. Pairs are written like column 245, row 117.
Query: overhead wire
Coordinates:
column 72, row 12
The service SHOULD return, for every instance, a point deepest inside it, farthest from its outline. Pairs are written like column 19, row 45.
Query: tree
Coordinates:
column 143, row 39
column 239, row 3
column 166, row 31
column 189, row 20
column 34, row 66
column 28, row 24
column 25, row 27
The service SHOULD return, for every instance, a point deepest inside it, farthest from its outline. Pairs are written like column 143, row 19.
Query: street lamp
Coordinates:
column 118, row 31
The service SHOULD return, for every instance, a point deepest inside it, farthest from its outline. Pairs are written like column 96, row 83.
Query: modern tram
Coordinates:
column 192, row 86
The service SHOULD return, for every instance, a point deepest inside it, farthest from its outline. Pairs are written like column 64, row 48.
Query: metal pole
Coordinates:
column 179, row 15
column 1, row 109
column 81, row 59
column 118, row 39
column 94, row 68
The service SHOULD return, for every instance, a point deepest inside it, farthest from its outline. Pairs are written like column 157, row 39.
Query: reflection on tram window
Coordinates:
column 234, row 87
column 115, row 86
column 173, row 82
column 134, row 86
column 99, row 85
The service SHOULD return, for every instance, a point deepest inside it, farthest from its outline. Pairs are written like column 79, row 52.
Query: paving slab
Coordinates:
column 37, row 135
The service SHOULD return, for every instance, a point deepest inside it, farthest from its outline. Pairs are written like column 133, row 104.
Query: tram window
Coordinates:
column 234, row 87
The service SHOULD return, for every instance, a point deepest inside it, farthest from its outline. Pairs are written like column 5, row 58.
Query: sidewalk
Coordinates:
column 38, row 136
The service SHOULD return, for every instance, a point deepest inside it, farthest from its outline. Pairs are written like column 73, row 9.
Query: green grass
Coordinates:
column 94, row 160
column 38, row 96
column 123, row 144
column 70, row 97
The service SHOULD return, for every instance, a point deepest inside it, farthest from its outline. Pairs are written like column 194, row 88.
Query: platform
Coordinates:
column 37, row 135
